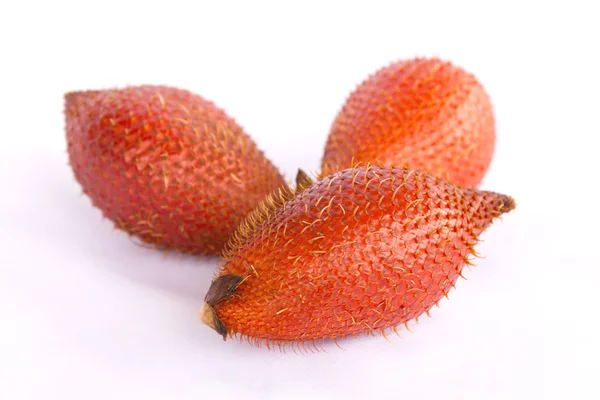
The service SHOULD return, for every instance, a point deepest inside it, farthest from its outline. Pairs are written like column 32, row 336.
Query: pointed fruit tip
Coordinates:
column 302, row 180
column 72, row 98
column 491, row 206
column 301, row 176
column 505, row 204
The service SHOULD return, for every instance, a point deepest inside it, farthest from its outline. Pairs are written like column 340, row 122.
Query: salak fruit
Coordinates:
column 166, row 165
column 361, row 250
column 423, row 113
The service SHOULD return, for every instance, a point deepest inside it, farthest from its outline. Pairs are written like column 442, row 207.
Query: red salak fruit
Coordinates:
column 361, row 250
column 422, row 113
column 166, row 165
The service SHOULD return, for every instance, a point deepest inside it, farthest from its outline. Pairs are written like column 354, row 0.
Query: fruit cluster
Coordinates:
column 374, row 241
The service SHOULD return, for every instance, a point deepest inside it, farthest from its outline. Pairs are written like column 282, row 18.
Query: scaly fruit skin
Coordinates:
column 361, row 250
column 166, row 165
column 422, row 113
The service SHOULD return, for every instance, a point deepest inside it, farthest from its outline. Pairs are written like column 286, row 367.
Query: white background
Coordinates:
column 86, row 313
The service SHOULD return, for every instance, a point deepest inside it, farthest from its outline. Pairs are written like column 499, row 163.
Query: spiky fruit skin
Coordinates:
column 423, row 113
column 166, row 165
column 362, row 250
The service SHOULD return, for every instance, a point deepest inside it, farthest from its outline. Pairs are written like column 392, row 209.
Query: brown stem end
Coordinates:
column 221, row 288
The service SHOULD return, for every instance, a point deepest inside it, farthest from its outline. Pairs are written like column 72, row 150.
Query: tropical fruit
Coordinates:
column 361, row 250
column 166, row 165
column 423, row 113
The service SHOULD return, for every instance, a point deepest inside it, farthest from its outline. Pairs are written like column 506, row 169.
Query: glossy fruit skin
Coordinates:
column 364, row 249
column 166, row 165
column 423, row 113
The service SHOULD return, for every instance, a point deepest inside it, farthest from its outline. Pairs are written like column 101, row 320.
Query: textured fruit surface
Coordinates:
column 421, row 113
column 166, row 165
column 364, row 249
